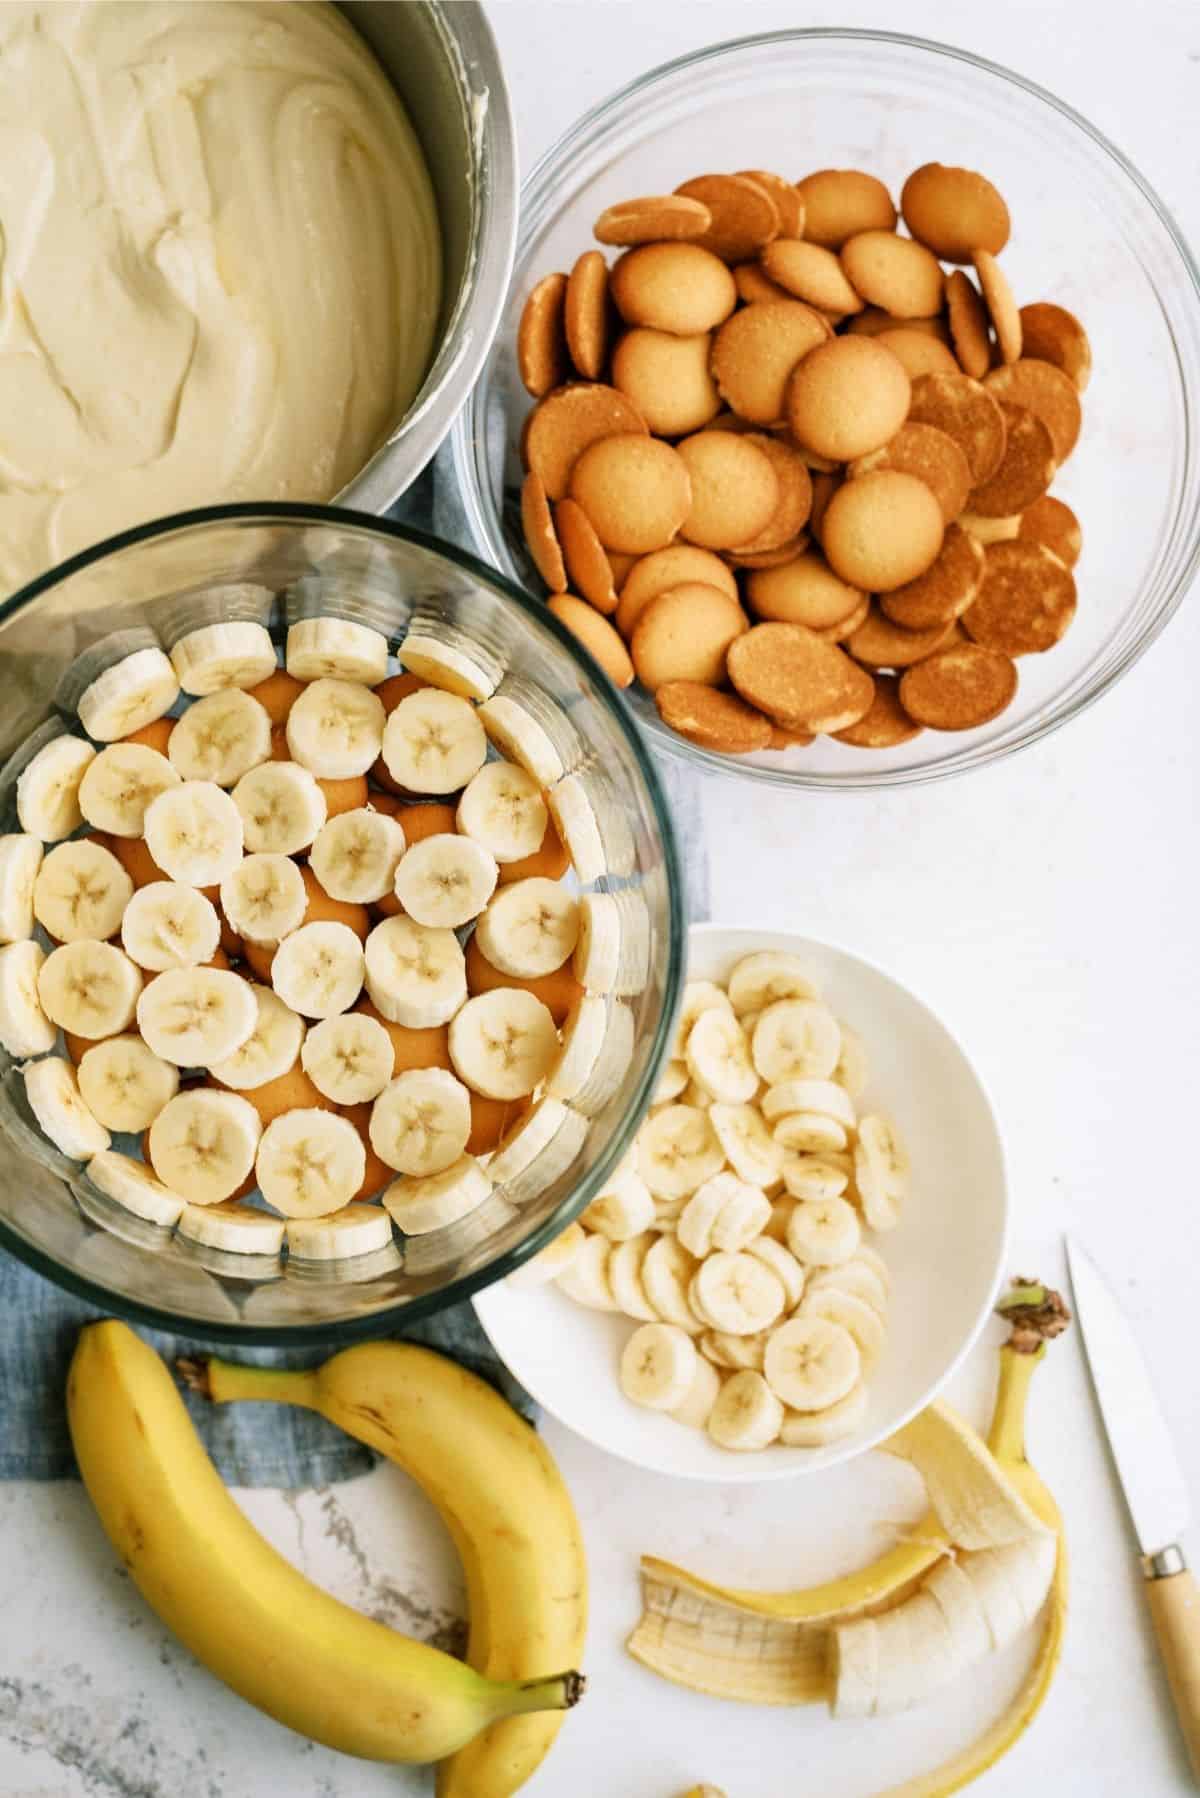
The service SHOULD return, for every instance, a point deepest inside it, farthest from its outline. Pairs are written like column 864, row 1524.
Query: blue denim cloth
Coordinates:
column 257, row 1445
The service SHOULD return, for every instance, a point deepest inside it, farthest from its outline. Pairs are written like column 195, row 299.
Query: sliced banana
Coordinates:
column 319, row 969
column 749, row 1147
column 538, row 1149
column 953, row 1591
column 744, row 1215
column 354, row 1230
column 747, row 1414
column 80, row 893
column 667, row 1271
column 551, row 1261
column 335, row 729
column 821, row 1096
column 734, row 1351
column 421, row 1205
column 235, row 1228
column 529, row 928
column 583, row 1040
column 503, row 1043
column 90, row 989
column 355, row 855
column 131, row 1185
column 718, row 1058
column 815, row 1176
column 336, row 649
column 695, row 1411
column 447, row 665
column 576, row 823
column 281, row 808
column 25, row 1030
column 672, row 1083
column 120, row 782
column 415, row 976
column 857, row 1277
column 309, row 1163
column 195, row 1017
column 853, row 1070
column 677, row 1151
column 124, row 1084
column 597, row 958
column 444, row 881
column 699, row 1218
column 132, row 693
column 20, row 860
column 168, row 925
column 264, row 899
column 216, row 656
column 48, row 788
column 433, row 743
column 586, row 1280
column 350, row 1060
column 782, row 1262
column 421, row 1121
column 699, row 996
column 61, row 1112
column 811, row 1363
column 269, row 1051
column 766, row 977
column 874, row 1260
column 816, row 1429
column 623, row 1208
column 625, row 1277
column 881, row 1172
column 853, row 1314
column 502, row 808
column 810, row 1133
column 522, row 738
column 658, row 1366
column 796, row 1039
column 695, row 1095
column 822, row 1232
column 194, row 832
column 781, row 1212
column 220, row 738
column 740, row 1295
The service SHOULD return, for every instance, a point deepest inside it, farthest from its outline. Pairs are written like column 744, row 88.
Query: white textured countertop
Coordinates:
column 1048, row 909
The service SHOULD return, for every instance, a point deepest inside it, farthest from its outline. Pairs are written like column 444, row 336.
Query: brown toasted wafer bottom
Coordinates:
column 711, row 718
column 798, row 679
column 925, row 451
column 880, row 643
column 886, row 724
column 1026, row 600
column 966, row 411
column 1052, row 522
column 944, row 591
column 1026, row 468
column 959, row 688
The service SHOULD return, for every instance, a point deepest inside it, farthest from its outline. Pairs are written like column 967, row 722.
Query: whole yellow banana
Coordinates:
column 250, row 1617
column 503, row 1501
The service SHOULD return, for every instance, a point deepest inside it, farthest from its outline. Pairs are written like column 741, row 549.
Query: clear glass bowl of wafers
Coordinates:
column 1088, row 235
column 108, row 626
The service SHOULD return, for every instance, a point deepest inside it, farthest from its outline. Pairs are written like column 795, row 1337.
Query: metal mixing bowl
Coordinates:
column 441, row 58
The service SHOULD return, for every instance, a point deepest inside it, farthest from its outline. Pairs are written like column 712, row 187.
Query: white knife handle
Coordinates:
column 1174, row 1599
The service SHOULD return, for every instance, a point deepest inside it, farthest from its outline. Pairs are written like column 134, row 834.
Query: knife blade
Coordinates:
column 1152, row 1480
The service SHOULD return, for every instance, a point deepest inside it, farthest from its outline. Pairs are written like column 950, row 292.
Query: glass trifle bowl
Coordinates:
column 274, row 565
column 1089, row 233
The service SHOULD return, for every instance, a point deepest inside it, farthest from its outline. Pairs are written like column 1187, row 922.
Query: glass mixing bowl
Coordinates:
column 1088, row 232
column 276, row 563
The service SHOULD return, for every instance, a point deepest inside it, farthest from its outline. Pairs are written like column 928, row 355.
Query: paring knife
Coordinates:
column 1152, row 1481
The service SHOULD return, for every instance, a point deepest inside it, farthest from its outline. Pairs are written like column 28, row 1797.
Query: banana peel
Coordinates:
column 778, row 1648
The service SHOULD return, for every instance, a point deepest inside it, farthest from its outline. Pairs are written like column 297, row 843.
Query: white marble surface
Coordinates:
column 1048, row 909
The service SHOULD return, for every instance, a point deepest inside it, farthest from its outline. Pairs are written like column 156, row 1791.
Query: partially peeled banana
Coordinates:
column 979, row 1568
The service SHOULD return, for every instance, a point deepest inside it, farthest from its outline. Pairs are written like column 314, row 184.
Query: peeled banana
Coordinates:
column 289, row 1648
column 977, row 1570
column 505, row 1506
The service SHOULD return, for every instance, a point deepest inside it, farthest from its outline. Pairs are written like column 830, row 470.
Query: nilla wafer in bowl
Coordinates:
column 882, row 530
column 684, row 634
column 847, row 397
column 799, row 679
column 734, row 488
column 959, row 688
column 635, row 490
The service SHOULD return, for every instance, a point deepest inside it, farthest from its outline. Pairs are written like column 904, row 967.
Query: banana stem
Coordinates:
column 1006, row 1434
column 559, row 1693
column 223, row 1381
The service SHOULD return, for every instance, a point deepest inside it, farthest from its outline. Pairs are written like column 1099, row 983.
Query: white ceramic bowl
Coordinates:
column 946, row 1256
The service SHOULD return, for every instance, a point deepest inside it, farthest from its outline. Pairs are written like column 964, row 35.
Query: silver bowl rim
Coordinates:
column 471, row 49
